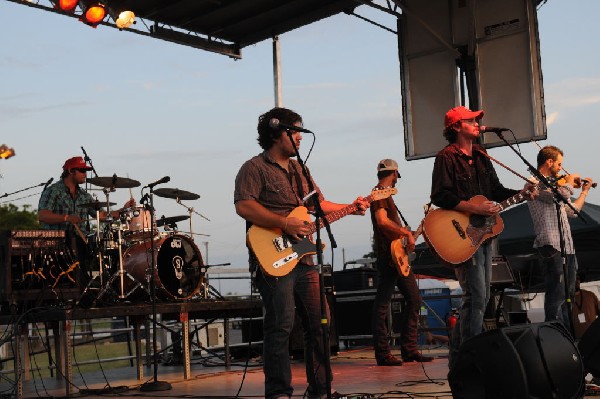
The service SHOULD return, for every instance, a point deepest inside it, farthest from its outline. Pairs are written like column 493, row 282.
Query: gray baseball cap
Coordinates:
column 387, row 164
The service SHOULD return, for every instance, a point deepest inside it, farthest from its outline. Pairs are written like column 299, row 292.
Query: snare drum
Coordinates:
column 139, row 224
column 179, row 267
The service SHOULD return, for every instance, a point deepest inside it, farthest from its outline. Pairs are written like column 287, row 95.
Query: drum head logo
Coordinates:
column 178, row 266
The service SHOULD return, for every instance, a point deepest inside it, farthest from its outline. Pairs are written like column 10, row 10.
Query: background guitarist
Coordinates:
column 387, row 227
column 267, row 188
column 461, row 171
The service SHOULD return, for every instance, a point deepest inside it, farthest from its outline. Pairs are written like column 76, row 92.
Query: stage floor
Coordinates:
column 355, row 376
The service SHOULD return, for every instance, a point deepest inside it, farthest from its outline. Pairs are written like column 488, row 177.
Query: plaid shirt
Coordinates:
column 57, row 198
column 545, row 223
column 263, row 180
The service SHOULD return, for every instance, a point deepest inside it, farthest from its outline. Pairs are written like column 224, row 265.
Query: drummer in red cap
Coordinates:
column 461, row 171
column 64, row 205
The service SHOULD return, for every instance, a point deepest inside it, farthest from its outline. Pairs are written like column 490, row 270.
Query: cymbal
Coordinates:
column 114, row 182
column 175, row 193
column 96, row 205
column 163, row 221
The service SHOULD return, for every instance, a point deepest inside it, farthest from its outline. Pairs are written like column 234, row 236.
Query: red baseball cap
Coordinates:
column 76, row 163
column 458, row 113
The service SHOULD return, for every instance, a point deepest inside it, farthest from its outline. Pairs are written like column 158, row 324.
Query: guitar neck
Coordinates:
column 515, row 199
column 337, row 215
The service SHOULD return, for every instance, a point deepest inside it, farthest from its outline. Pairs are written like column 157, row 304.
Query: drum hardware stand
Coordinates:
column 190, row 211
column 99, row 256
column 121, row 274
column 155, row 384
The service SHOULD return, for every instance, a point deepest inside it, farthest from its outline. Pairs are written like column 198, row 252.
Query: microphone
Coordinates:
column 165, row 179
column 85, row 155
column 275, row 124
column 485, row 129
column 48, row 183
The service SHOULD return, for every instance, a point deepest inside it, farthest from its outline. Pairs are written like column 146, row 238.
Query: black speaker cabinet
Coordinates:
column 589, row 346
column 519, row 362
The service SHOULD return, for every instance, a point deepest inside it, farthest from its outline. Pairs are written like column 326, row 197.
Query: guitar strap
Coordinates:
column 491, row 158
column 401, row 215
column 298, row 184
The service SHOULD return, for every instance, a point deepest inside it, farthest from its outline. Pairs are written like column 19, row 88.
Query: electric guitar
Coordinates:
column 455, row 236
column 399, row 254
column 277, row 254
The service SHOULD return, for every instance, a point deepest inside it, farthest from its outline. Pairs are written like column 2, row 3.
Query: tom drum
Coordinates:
column 139, row 224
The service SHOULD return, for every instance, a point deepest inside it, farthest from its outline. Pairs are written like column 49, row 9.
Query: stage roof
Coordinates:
column 222, row 26
column 227, row 26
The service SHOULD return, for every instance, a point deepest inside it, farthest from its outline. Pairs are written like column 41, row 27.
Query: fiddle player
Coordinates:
column 547, row 238
column 461, row 171
column 61, row 207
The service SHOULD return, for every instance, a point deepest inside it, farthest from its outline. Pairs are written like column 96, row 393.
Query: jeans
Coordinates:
column 282, row 296
column 389, row 278
column 555, row 305
column 474, row 277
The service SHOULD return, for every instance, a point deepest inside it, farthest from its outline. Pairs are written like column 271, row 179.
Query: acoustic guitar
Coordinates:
column 455, row 236
column 278, row 254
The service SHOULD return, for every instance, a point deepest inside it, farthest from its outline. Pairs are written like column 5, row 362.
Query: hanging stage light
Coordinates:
column 93, row 13
column 65, row 5
column 123, row 19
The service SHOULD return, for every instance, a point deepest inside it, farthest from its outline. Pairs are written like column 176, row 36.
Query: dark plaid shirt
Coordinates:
column 263, row 180
column 458, row 177
column 57, row 198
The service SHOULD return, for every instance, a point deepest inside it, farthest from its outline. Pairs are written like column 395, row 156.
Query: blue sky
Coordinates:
column 147, row 108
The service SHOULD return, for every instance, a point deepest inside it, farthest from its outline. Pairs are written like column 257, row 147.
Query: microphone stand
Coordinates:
column 89, row 160
column 155, row 384
column 23, row 189
column 320, row 219
column 558, row 198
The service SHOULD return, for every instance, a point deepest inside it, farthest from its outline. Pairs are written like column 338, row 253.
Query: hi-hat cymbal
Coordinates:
column 163, row 221
column 114, row 182
column 175, row 193
column 96, row 205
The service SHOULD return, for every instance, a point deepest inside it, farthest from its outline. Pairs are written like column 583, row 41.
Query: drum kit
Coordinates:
column 126, row 249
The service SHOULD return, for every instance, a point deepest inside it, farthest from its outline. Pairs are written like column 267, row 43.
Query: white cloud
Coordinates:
column 573, row 93
column 551, row 118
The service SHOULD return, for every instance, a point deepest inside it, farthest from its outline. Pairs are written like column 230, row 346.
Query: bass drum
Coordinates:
column 179, row 266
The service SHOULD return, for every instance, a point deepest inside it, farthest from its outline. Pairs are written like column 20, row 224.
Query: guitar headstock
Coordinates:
column 383, row 193
column 6, row 152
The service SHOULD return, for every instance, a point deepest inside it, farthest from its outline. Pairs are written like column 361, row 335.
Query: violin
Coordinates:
column 577, row 181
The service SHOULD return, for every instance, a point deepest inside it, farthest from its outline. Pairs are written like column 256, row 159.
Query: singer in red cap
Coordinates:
column 62, row 206
column 461, row 171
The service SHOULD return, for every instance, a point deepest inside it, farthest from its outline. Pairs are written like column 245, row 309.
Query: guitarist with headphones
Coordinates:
column 268, row 189
column 387, row 228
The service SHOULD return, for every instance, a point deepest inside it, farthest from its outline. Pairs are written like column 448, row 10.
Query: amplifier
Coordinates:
column 502, row 276
column 36, row 265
